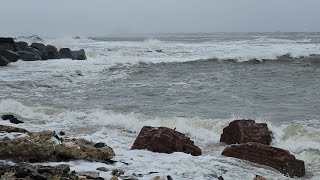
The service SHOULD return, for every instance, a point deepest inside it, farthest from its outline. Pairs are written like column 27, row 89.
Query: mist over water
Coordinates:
column 197, row 83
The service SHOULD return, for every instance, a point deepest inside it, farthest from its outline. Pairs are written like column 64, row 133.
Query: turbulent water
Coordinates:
column 197, row 83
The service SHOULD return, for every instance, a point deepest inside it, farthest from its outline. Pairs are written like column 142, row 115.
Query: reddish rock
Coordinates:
column 242, row 131
column 164, row 140
column 276, row 158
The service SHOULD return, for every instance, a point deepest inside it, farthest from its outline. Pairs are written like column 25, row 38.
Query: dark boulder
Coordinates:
column 79, row 55
column 7, row 116
column 7, row 44
column 21, row 45
column 276, row 158
column 65, row 53
column 53, row 52
column 10, row 55
column 15, row 121
column 3, row 61
column 165, row 140
column 29, row 54
column 8, row 40
column 242, row 131
column 42, row 49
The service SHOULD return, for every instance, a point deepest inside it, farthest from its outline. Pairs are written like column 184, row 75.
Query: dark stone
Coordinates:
column 276, row 158
column 42, row 49
column 21, row 45
column 99, row 145
column 165, row 140
column 159, row 50
column 30, row 54
column 169, row 177
column 62, row 133
column 12, row 129
column 3, row 61
column 7, row 46
column 7, row 116
column 79, row 55
column 38, row 172
column 16, row 121
column 102, row 169
column 10, row 55
column 8, row 40
column 52, row 52
column 65, row 53
column 242, row 131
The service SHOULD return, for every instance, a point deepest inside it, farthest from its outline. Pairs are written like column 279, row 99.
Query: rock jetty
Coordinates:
column 11, row 51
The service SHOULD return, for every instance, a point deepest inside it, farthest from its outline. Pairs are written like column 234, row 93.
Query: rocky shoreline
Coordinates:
column 11, row 51
column 249, row 141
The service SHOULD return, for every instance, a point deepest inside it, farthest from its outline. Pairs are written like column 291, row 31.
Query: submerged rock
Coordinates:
column 39, row 147
column 165, row 140
column 242, row 131
column 7, row 116
column 15, row 121
column 276, row 158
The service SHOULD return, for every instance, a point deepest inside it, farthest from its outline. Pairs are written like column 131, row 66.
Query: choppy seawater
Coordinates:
column 198, row 84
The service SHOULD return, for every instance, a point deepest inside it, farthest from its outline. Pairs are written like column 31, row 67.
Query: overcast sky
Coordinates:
column 107, row 17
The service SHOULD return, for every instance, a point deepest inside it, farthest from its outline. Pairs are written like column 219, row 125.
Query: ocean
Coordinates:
column 196, row 83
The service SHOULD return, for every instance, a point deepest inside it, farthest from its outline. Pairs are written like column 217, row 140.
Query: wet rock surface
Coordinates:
column 242, row 131
column 10, row 129
column 27, row 171
column 11, row 118
column 36, row 51
column 3, row 61
column 43, row 146
column 9, row 55
column 165, row 140
column 276, row 158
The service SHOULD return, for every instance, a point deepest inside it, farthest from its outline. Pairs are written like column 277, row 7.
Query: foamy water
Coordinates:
column 119, row 132
column 127, row 84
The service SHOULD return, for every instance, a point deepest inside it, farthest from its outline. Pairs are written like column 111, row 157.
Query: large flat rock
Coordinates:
column 276, row 158
column 165, row 140
column 44, row 146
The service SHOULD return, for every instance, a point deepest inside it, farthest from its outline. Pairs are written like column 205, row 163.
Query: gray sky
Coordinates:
column 105, row 17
